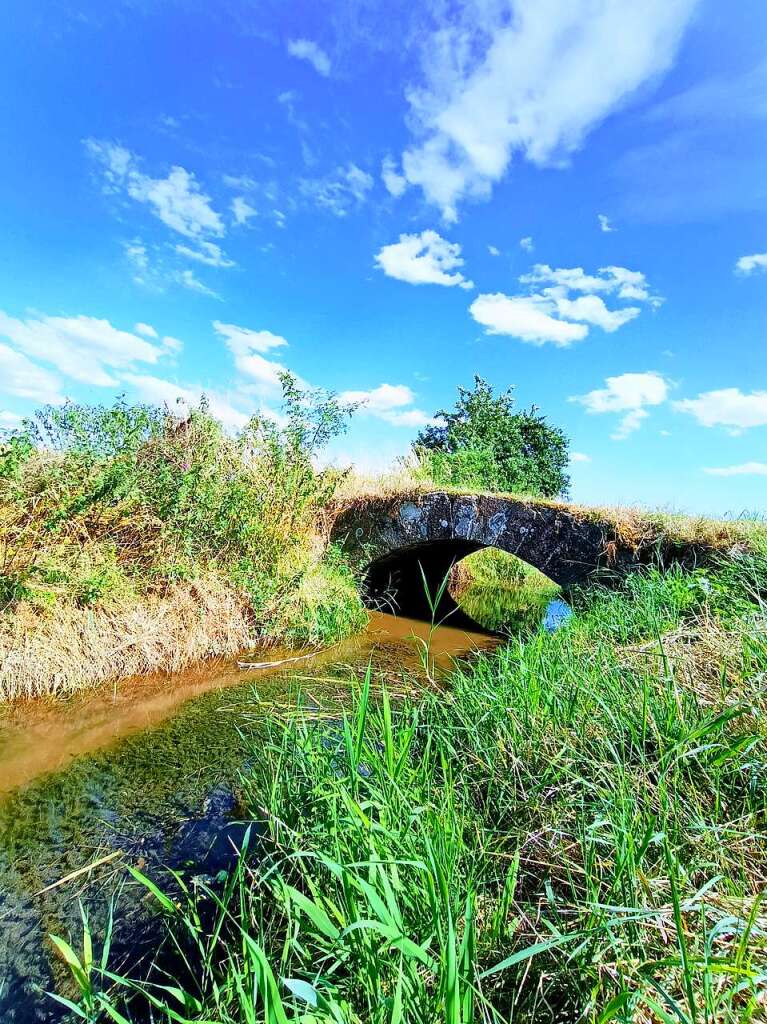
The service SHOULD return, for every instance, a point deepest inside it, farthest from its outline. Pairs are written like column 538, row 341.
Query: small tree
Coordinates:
column 485, row 443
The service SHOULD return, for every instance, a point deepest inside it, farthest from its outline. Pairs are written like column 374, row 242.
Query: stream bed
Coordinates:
column 147, row 773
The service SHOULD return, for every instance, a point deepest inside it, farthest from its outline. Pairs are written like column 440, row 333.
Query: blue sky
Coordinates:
column 387, row 198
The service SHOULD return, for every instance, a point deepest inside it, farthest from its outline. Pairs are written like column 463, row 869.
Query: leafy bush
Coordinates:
column 484, row 443
column 98, row 501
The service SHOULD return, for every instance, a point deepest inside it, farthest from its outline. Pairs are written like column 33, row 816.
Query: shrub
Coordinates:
column 484, row 443
column 102, row 502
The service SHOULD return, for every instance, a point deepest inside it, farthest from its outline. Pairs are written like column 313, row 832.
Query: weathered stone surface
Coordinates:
column 398, row 541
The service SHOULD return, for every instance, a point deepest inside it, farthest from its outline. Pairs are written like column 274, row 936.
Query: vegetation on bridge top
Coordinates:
column 634, row 526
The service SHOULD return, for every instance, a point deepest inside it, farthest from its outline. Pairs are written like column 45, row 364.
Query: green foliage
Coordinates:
column 14, row 453
column 96, row 502
column 573, row 830
column 94, row 432
column 484, row 443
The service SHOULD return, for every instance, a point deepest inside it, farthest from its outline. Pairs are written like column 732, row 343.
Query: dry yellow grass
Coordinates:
column 49, row 652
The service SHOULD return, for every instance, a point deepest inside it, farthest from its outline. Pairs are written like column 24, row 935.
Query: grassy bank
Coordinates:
column 574, row 829
column 133, row 540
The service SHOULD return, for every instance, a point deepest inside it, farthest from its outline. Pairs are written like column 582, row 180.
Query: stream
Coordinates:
column 147, row 773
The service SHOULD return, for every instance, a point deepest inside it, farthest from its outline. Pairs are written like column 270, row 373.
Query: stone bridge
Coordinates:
column 396, row 542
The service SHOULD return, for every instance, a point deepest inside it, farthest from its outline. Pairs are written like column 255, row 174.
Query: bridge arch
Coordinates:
column 396, row 542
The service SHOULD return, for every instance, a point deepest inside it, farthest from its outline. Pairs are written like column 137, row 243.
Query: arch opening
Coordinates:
column 503, row 593
column 463, row 583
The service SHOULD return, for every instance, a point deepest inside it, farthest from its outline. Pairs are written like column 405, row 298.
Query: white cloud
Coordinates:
column 745, row 469
column 243, row 340
column 188, row 279
column 146, row 330
column 591, row 309
column 409, row 418
column 628, row 393
column 83, row 348
column 176, row 200
column 339, row 192
column 550, row 314
column 394, row 182
column 9, row 420
column 523, row 317
column 531, row 80
column 241, row 209
column 381, row 399
column 626, row 284
column 526, row 243
column 604, row 223
column 209, row 253
column 493, row 250
column 423, row 259
column 748, row 264
column 247, row 347
column 631, row 284
column 579, row 457
column 20, row 376
column 388, row 402
column 305, row 49
column 182, row 399
column 727, row 407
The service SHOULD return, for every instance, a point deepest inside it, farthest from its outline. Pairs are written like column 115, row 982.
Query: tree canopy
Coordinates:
column 485, row 442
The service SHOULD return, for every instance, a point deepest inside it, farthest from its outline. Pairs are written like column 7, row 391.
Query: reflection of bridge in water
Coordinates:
column 403, row 540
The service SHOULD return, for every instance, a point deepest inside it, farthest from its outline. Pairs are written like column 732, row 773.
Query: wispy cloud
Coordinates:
column 341, row 191
column 744, row 469
column 177, row 200
column 208, row 253
column 604, row 223
column 306, row 49
column 390, row 403
column 535, row 84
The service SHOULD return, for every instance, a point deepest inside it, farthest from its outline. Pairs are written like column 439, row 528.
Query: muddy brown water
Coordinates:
column 39, row 737
column 147, row 772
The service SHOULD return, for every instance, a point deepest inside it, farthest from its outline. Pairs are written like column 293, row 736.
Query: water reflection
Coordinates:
column 506, row 595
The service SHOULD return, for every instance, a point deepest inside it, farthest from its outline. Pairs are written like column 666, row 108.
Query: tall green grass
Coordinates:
column 573, row 830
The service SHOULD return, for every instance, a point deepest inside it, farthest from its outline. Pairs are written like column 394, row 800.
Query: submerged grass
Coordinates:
column 575, row 829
